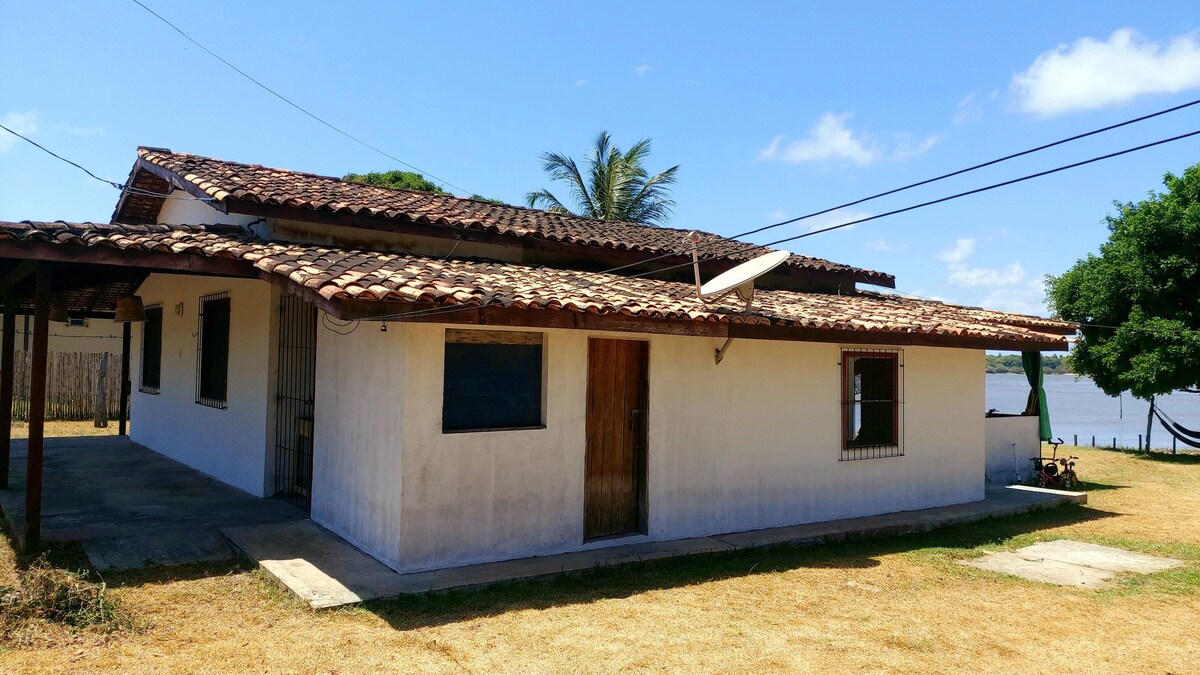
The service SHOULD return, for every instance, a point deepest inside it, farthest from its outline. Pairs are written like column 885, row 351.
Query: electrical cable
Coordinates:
column 123, row 188
column 288, row 101
column 705, row 245
column 959, row 195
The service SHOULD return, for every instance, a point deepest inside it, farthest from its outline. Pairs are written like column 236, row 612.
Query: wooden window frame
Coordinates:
column 895, row 448
column 143, row 386
column 213, row 399
column 494, row 337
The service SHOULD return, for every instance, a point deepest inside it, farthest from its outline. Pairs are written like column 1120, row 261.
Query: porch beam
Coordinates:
column 123, row 408
column 8, row 345
column 17, row 274
column 37, row 412
column 169, row 263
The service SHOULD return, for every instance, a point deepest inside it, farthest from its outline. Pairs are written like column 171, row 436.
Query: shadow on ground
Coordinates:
column 433, row 609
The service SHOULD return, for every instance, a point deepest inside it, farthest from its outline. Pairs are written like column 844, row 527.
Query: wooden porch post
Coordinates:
column 37, row 412
column 125, row 384
column 7, row 344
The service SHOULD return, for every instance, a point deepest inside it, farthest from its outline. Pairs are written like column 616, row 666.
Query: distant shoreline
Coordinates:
column 998, row 364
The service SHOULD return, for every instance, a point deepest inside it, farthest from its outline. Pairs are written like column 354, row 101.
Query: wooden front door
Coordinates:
column 615, row 474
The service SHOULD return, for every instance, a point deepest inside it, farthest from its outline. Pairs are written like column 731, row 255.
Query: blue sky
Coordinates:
column 771, row 110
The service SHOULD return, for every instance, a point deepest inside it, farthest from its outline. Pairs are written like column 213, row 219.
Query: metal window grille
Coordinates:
column 212, row 351
column 872, row 404
column 295, row 389
column 151, row 378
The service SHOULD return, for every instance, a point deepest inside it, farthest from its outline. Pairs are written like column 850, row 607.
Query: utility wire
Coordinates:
column 706, row 245
column 959, row 195
column 112, row 183
column 293, row 104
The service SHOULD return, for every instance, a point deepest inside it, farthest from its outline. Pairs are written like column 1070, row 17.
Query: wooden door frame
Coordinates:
column 641, row 453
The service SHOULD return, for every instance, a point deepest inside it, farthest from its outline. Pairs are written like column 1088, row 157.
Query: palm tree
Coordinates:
column 617, row 186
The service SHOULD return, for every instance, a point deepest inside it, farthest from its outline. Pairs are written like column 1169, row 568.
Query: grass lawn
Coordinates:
column 899, row 604
column 53, row 429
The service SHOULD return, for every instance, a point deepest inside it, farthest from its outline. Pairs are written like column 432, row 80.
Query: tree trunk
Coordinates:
column 100, row 420
column 1149, row 423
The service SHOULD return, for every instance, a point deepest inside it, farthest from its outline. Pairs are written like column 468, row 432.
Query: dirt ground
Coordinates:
column 898, row 604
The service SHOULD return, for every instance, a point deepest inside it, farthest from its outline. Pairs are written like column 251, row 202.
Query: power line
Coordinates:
column 959, row 195
column 293, row 104
column 123, row 188
column 927, row 181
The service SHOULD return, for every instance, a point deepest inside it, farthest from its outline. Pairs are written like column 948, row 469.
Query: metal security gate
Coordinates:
column 295, row 388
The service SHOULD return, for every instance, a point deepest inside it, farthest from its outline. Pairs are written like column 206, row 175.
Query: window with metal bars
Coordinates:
column 872, row 420
column 212, row 351
column 151, row 351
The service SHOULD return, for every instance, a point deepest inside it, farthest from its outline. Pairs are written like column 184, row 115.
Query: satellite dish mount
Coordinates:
column 739, row 279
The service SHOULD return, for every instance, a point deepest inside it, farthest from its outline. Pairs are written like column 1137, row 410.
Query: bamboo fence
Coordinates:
column 77, row 384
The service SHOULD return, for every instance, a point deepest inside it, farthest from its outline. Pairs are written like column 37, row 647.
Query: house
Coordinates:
column 443, row 381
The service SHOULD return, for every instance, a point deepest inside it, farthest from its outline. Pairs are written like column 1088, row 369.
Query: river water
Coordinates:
column 1078, row 407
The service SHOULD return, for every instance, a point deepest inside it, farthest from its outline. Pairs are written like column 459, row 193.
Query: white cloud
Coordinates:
column 580, row 83
column 968, row 110
column 961, row 275
column 1092, row 74
column 25, row 123
column 962, row 249
column 911, row 148
column 838, row 217
column 642, row 70
column 777, row 215
column 829, row 139
column 1027, row 298
column 884, row 245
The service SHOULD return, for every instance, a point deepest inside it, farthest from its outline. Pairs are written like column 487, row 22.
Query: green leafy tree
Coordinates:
column 1140, row 298
column 398, row 180
column 613, row 185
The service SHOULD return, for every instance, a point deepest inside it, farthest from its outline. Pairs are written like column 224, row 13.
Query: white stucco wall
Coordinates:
column 233, row 444
column 1009, row 443
column 183, row 210
column 753, row 442
column 358, row 437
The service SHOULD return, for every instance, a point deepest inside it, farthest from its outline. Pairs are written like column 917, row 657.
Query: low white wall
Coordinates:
column 1010, row 442
column 233, row 444
column 99, row 335
column 753, row 442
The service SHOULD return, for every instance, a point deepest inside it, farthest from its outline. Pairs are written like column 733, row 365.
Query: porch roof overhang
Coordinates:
column 108, row 260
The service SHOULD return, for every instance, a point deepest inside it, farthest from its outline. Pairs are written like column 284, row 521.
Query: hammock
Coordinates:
column 1180, row 432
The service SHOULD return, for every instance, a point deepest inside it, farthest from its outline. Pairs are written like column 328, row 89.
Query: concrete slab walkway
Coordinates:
column 1071, row 563
column 130, row 506
column 325, row 571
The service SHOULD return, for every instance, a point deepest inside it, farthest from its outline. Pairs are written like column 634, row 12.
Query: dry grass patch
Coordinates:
column 888, row 605
column 58, row 429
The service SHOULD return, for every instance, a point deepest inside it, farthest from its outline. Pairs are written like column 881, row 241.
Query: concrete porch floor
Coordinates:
column 130, row 506
column 325, row 571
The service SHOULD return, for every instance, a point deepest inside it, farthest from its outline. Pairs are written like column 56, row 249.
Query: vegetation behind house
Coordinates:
column 1011, row 363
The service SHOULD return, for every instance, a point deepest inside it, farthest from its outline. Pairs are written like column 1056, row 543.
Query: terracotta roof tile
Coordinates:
column 264, row 185
column 372, row 276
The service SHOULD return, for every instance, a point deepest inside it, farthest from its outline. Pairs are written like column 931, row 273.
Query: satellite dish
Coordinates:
column 742, row 277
